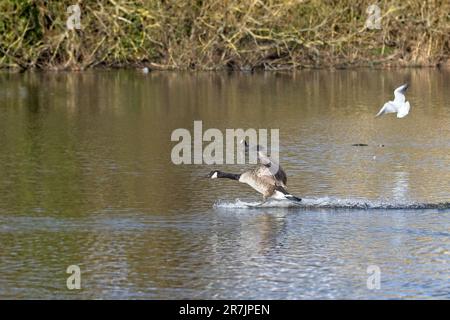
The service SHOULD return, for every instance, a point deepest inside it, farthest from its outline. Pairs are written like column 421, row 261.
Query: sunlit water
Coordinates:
column 86, row 179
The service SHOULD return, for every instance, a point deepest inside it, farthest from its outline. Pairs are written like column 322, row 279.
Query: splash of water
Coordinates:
column 330, row 203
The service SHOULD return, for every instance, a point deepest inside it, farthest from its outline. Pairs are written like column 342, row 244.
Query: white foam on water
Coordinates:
column 330, row 203
column 240, row 204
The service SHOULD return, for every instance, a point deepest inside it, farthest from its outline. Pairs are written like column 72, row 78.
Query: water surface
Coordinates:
column 86, row 178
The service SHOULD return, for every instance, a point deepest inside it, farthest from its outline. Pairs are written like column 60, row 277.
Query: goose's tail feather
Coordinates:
column 293, row 198
column 281, row 193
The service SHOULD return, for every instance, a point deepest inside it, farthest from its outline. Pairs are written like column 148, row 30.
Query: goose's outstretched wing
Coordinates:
column 273, row 168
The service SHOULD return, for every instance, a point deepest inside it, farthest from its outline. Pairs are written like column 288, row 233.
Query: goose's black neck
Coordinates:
column 232, row 176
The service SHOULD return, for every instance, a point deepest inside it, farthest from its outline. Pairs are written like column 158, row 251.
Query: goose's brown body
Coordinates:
column 262, row 180
column 268, row 178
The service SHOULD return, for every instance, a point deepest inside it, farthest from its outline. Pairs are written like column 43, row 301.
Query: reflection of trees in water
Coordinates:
column 97, row 139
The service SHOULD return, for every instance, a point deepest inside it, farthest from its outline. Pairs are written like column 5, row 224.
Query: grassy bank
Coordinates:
column 220, row 34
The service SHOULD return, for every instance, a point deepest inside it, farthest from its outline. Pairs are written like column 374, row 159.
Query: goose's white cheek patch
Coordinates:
column 214, row 176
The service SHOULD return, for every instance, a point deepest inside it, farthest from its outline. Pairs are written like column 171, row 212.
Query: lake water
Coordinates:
column 86, row 179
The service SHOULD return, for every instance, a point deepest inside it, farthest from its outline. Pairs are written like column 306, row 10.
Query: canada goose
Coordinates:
column 262, row 180
column 275, row 169
column 398, row 105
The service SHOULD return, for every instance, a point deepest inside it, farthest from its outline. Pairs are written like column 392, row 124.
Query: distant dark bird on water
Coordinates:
column 365, row 145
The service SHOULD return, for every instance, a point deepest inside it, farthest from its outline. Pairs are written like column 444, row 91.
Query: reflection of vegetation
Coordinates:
column 68, row 148
column 218, row 34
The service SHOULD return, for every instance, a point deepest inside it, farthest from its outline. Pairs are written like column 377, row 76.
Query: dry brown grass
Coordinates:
column 219, row 34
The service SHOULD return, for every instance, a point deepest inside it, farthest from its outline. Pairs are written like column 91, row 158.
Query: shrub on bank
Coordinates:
column 222, row 34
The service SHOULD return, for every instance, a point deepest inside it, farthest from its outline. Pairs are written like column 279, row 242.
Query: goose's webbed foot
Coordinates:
column 263, row 202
